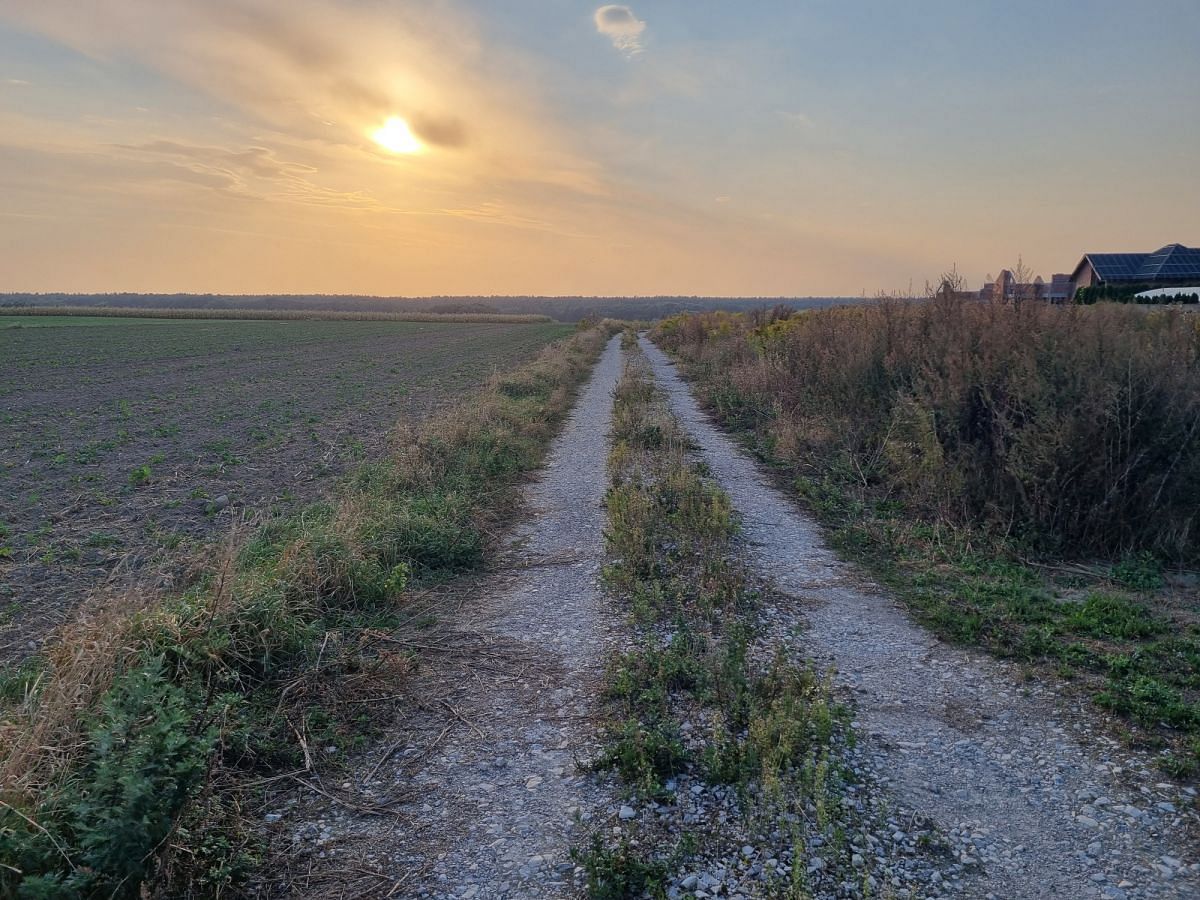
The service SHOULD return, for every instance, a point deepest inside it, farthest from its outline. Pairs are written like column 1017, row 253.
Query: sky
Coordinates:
column 418, row 147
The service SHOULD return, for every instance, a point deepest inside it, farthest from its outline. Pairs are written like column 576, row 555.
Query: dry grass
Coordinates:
column 42, row 734
column 973, row 454
column 44, row 731
column 1075, row 429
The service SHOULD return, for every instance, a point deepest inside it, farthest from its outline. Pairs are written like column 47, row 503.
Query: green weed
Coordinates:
column 767, row 731
column 621, row 872
column 1139, row 572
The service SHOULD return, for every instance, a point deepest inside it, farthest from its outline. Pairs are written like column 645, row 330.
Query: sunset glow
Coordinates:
column 758, row 149
column 396, row 137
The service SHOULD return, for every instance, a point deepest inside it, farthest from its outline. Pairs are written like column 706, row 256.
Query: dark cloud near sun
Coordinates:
column 440, row 131
column 304, row 65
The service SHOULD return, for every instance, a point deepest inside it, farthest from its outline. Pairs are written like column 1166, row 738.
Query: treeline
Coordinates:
column 564, row 309
column 1074, row 430
column 127, row 312
column 1122, row 293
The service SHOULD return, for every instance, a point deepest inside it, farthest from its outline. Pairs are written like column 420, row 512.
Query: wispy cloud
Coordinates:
column 247, row 172
column 799, row 119
column 496, row 212
column 622, row 27
column 331, row 73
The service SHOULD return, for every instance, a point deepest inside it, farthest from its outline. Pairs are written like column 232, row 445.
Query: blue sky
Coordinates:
column 660, row 147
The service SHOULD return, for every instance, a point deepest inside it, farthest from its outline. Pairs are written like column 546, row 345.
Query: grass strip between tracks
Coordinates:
column 703, row 704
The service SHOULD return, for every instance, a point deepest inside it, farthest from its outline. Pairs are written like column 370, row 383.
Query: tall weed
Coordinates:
column 1076, row 429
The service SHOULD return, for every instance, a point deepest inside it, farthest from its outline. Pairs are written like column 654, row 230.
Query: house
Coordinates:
column 1169, row 266
column 1059, row 290
column 1006, row 288
column 998, row 289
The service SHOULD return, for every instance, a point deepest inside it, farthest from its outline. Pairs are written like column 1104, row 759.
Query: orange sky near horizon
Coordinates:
column 413, row 148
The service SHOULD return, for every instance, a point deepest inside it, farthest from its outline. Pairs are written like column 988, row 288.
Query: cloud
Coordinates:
column 799, row 119
column 257, row 161
column 440, row 131
column 246, row 172
column 327, row 73
column 494, row 212
column 622, row 27
column 313, row 60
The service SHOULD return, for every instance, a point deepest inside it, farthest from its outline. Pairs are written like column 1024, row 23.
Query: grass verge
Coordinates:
column 1114, row 632
column 130, row 745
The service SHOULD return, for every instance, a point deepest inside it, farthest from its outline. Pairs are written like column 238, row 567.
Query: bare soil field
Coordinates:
column 125, row 444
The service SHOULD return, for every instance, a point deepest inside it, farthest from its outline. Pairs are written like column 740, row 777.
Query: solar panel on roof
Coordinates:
column 1117, row 266
column 1172, row 262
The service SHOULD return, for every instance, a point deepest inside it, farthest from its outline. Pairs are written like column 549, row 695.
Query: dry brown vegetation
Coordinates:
column 1075, row 429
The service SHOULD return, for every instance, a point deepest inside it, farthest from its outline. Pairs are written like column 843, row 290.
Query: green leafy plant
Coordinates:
column 618, row 873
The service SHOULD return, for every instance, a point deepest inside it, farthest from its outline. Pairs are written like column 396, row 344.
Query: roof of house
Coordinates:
column 1116, row 266
column 1170, row 263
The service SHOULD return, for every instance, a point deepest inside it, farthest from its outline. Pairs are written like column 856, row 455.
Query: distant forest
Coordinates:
column 565, row 309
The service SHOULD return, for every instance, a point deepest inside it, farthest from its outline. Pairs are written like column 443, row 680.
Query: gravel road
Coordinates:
column 1036, row 801
column 495, row 799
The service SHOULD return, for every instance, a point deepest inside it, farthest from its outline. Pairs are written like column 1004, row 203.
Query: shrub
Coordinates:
column 145, row 757
column 616, row 873
column 1139, row 572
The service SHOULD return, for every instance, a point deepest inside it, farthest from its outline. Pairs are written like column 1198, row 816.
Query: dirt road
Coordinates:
column 1031, row 799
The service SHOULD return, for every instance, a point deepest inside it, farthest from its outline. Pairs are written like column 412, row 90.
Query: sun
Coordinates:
column 396, row 137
